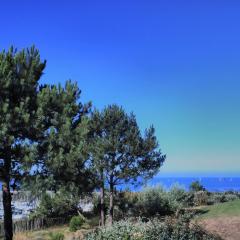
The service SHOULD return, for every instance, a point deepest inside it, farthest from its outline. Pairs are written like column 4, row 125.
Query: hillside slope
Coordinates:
column 222, row 219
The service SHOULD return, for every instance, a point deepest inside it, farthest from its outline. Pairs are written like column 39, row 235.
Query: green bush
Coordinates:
column 201, row 198
column 196, row 186
column 230, row 197
column 215, row 198
column 60, row 204
column 221, row 197
column 56, row 236
column 76, row 223
column 179, row 197
column 125, row 204
column 152, row 230
column 152, row 202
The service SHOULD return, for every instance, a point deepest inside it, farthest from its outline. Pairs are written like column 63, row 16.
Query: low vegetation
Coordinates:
column 157, row 201
column 227, row 209
column 222, row 219
column 56, row 236
column 76, row 223
column 151, row 230
column 57, row 205
column 154, row 213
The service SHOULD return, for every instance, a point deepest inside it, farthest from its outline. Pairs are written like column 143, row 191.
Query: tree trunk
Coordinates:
column 7, row 200
column 102, row 205
column 111, row 205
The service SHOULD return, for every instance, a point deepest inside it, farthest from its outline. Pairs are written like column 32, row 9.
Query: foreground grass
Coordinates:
column 222, row 219
column 228, row 209
column 43, row 234
column 64, row 229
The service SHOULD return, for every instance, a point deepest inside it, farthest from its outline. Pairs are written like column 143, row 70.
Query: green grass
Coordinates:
column 227, row 209
column 91, row 223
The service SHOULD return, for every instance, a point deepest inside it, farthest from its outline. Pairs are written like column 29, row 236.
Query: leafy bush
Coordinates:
column 222, row 197
column 152, row 230
column 215, row 198
column 189, row 201
column 76, row 223
column 230, row 197
column 125, row 204
column 200, row 198
column 154, row 201
column 56, row 236
column 179, row 197
column 57, row 205
column 196, row 186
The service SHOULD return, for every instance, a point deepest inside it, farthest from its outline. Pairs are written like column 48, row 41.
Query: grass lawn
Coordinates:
column 228, row 209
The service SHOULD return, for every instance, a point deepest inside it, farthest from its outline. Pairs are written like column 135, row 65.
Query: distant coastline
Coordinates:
column 198, row 174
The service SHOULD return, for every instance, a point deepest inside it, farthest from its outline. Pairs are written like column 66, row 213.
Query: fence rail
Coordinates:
column 34, row 224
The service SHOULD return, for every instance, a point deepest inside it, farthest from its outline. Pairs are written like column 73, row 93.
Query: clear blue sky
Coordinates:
column 175, row 64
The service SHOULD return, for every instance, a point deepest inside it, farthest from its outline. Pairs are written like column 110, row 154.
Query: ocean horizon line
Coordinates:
column 197, row 174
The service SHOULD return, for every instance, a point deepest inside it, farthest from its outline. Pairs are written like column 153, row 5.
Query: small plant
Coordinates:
column 200, row 198
column 56, row 236
column 196, row 186
column 76, row 223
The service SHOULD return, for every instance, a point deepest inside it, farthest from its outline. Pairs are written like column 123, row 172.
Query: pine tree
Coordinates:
column 42, row 128
column 63, row 153
column 19, row 76
column 121, row 153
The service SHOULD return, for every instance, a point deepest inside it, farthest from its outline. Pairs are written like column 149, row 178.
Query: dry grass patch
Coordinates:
column 226, row 227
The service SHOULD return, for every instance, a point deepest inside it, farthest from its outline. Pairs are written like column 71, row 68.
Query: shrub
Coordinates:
column 60, row 204
column 196, row 186
column 76, row 223
column 230, row 197
column 152, row 202
column 200, row 198
column 221, row 197
column 56, row 236
column 125, row 204
column 179, row 197
column 215, row 198
column 189, row 201
column 152, row 230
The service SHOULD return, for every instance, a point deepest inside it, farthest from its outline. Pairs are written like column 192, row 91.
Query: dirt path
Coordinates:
column 226, row 227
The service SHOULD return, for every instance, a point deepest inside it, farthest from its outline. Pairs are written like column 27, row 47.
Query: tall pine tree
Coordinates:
column 42, row 128
column 19, row 76
column 121, row 154
column 63, row 152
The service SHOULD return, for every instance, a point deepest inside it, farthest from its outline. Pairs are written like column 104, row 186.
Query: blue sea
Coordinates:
column 211, row 183
column 218, row 184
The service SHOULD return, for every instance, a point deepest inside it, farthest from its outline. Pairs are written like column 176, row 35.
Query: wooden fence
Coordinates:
column 34, row 224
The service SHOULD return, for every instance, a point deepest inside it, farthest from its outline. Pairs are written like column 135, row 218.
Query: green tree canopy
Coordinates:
column 63, row 150
column 196, row 186
column 19, row 76
column 42, row 127
column 121, row 154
